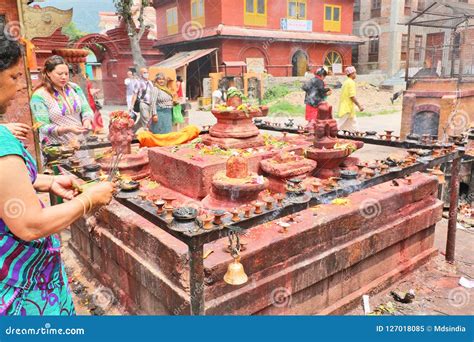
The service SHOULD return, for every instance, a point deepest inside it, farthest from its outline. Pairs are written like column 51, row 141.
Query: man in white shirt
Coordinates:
column 142, row 91
column 130, row 86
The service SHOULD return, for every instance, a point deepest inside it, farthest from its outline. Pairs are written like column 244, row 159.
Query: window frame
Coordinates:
column 421, row 5
column 418, row 47
column 333, row 52
column 375, row 12
column 298, row 14
column 199, row 17
column 172, row 28
column 407, row 7
column 373, row 54
column 332, row 25
column 404, row 51
column 357, row 5
column 254, row 18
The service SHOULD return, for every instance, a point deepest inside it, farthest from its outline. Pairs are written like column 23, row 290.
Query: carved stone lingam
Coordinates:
column 235, row 186
column 132, row 165
column 235, row 128
column 330, row 152
column 284, row 166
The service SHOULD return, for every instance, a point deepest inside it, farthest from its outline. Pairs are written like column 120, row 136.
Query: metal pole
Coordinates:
column 196, row 265
column 453, row 39
column 407, row 65
column 453, row 210
column 462, row 43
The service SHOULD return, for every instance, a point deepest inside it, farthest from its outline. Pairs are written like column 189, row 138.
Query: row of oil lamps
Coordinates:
column 165, row 208
column 294, row 187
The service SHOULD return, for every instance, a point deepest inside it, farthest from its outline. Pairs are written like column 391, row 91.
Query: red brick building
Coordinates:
column 281, row 36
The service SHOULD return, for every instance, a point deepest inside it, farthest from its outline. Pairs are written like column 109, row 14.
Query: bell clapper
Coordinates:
column 235, row 274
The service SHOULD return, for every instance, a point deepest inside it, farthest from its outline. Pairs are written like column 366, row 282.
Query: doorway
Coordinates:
column 300, row 63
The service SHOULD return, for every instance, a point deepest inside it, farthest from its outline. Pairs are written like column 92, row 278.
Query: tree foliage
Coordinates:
column 73, row 32
column 125, row 11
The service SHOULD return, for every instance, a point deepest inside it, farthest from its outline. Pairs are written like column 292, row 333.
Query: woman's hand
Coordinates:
column 101, row 193
column 64, row 187
column 74, row 130
column 19, row 130
column 87, row 124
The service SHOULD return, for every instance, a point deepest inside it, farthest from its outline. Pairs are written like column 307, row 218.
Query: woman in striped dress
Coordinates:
column 32, row 277
column 161, row 106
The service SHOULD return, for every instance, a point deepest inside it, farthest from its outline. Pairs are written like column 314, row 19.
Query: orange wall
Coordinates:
column 278, row 55
column 212, row 11
column 231, row 12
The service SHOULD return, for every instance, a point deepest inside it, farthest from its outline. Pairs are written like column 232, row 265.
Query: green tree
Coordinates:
column 72, row 31
column 124, row 10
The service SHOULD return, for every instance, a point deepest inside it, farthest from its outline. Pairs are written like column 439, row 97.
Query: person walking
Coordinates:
column 348, row 102
column 141, row 99
column 316, row 93
column 130, row 88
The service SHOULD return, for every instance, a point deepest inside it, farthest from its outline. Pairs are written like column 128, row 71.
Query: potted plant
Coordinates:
column 234, row 97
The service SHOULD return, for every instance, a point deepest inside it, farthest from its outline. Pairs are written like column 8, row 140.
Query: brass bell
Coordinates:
column 235, row 274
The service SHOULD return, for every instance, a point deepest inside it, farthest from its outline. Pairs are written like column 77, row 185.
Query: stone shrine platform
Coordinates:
column 324, row 263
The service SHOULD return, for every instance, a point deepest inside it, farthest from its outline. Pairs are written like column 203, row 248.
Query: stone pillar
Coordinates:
column 409, row 103
column 394, row 56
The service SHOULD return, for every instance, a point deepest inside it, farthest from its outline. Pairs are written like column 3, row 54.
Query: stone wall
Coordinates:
column 453, row 100
column 326, row 261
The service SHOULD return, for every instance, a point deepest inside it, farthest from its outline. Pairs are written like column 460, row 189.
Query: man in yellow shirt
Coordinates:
column 348, row 102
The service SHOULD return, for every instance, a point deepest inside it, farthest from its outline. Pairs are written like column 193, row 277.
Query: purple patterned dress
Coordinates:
column 32, row 276
column 53, row 111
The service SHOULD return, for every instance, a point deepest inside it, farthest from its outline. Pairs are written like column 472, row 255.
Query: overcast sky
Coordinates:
column 86, row 12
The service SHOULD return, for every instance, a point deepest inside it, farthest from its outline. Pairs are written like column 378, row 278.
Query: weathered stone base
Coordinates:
column 193, row 177
column 135, row 166
column 322, row 265
column 252, row 142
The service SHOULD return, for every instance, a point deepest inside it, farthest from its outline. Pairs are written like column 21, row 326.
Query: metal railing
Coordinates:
column 447, row 61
